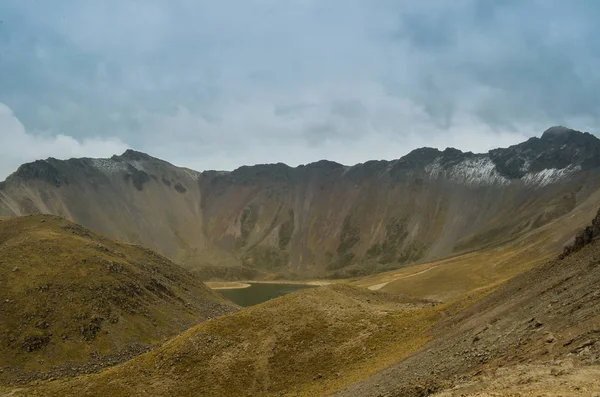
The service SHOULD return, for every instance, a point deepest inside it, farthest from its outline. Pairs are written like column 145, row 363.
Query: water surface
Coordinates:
column 260, row 292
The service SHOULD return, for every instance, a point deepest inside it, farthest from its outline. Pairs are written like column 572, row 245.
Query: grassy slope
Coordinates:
column 70, row 297
column 548, row 316
column 308, row 343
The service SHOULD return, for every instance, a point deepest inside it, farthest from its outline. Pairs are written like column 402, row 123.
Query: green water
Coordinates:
column 258, row 293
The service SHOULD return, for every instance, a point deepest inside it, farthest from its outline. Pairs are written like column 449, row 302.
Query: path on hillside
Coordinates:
column 377, row 287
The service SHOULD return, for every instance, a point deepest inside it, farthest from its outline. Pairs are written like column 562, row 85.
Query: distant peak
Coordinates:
column 131, row 154
column 423, row 152
column 40, row 169
column 558, row 131
column 450, row 151
column 321, row 164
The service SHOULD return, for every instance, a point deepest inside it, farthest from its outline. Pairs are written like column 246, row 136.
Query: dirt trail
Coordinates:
column 380, row 286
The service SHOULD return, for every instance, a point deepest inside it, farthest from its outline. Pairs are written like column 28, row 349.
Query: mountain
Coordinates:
column 72, row 301
column 322, row 219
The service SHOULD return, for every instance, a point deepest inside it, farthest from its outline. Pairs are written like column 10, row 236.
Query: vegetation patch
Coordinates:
column 349, row 237
column 413, row 252
column 180, row 188
column 248, row 220
column 387, row 251
column 233, row 273
column 286, row 230
column 32, row 343
column 137, row 177
column 265, row 257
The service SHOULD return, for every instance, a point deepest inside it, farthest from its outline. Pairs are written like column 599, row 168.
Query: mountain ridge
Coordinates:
column 553, row 134
column 322, row 218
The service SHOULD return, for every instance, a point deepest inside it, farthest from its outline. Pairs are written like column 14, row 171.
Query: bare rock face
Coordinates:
column 322, row 219
column 584, row 237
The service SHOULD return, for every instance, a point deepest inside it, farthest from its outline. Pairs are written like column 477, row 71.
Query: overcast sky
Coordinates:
column 218, row 84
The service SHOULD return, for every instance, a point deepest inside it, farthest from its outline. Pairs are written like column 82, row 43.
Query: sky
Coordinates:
column 219, row 84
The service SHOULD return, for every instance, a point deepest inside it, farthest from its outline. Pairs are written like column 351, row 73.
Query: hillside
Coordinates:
column 322, row 219
column 461, row 274
column 539, row 332
column 73, row 301
column 307, row 343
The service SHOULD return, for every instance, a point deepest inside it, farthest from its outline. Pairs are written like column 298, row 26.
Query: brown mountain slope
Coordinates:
column 548, row 317
column 322, row 219
column 449, row 279
column 71, row 300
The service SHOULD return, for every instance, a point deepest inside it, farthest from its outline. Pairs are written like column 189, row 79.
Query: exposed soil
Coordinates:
column 554, row 379
column 226, row 285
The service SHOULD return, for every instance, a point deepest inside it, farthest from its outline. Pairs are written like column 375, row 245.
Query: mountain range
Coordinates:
column 322, row 219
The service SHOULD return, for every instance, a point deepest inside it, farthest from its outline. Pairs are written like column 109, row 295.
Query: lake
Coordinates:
column 260, row 292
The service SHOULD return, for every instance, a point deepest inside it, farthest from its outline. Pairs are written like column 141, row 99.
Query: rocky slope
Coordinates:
column 321, row 219
column 544, row 323
column 73, row 301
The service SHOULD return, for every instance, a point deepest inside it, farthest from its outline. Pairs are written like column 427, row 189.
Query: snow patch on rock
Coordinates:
column 108, row 166
column 111, row 166
column 549, row 176
column 480, row 171
column 435, row 169
column 193, row 174
column 137, row 165
column 525, row 166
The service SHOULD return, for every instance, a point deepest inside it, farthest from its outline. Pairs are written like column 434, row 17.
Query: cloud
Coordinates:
column 218, row 84
column 17, row 146
column 382, row 127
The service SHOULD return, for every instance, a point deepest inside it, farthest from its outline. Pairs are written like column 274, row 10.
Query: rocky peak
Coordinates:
column 40, row 169
column 418, row 158
column 261, row 172
column 451, row 156
column 325, row 165
column 132, row 155
column 558, row 131
column 557, row 149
